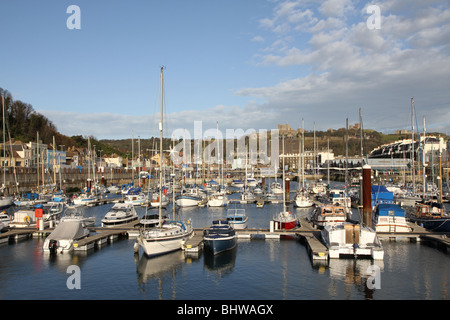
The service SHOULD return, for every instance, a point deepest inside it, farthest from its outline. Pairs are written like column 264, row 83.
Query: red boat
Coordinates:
column 285, row 220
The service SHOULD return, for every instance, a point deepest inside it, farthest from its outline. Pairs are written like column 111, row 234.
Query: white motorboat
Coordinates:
column 76, row 213
column 327, row 214
column 120, row 213
column 390, row 218
column 349, row 239
column 71, row 228
column 237, row 218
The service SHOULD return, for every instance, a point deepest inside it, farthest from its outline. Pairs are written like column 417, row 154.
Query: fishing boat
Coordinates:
column 327, row 214
column 220, row 237
column 71, row 228
column 169, row 235
column 237, row 218
column 390, row 218
column 120, row 213
column 354, row 240
column 431, row 215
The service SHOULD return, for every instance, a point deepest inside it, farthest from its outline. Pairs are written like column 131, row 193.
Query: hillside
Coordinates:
column 23, row 122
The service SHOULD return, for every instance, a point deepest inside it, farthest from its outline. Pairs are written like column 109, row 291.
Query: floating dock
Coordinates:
column 306, row 233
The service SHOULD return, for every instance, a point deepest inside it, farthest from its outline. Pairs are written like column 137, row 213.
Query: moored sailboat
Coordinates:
column 170, row 234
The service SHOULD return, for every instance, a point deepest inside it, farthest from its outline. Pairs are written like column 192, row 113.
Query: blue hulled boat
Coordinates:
column 431, row 215
column 220, row 237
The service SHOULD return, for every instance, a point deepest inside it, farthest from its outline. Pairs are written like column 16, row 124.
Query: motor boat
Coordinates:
column 237, row 218
column 354, row 240
column 120, row 213
column 390, row 218
column 220, row 237
column 71, row 228
column 327, row 214
column 77, row 213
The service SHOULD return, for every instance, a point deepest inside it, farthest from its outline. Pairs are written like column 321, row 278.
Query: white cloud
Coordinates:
column 351, row 66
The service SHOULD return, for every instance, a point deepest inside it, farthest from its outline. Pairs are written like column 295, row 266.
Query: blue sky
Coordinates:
column 247, row 64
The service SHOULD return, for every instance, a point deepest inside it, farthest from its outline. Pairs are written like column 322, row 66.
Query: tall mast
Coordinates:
column 413, row 174
column 4, row 143
column 160, row 150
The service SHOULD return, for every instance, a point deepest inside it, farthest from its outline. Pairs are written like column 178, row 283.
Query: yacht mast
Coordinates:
column 160, row 150
column 413, row 177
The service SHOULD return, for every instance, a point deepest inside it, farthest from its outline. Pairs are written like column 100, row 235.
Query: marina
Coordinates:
column 274, row 264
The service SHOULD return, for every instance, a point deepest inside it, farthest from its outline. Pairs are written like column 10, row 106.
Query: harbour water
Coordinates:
column 256, row 270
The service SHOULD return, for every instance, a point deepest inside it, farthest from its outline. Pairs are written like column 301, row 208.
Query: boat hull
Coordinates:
column 163, row 240
column 188, row 201
column 220, row 244
column 433, row 224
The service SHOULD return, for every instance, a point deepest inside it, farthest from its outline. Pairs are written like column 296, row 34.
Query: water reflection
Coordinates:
column 160, row 271
column 221, row 264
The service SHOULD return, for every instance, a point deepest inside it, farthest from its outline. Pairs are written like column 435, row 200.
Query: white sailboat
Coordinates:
column 169, row 235
column 302, row 198
column 219, row 198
